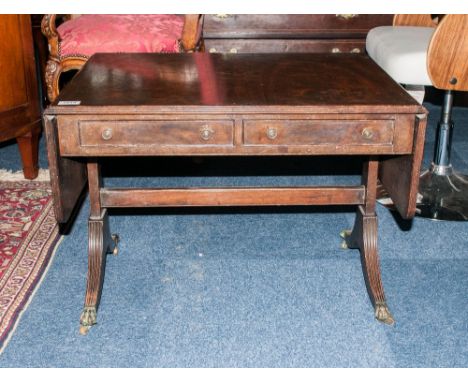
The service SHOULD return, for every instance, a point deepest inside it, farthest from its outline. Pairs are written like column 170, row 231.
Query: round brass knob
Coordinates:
column 355, row 50
column 346, row 16
column 367, row 133
column 272, row 133
column 233, row 50
column 212, row 50
column 335, row 50
column 206, row 133
column 106, row 134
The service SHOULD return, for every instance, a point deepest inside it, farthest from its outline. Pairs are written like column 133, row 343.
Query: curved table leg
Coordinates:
column 100, row 243
column 364, row 237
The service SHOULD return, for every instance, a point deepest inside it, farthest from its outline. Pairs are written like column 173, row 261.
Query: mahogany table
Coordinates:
column 200, row 104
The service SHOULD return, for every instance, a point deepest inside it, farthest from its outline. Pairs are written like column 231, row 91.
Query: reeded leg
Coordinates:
column 100, row 243
column 364, row 237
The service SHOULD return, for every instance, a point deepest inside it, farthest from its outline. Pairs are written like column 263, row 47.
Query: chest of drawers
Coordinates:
column 341, row 33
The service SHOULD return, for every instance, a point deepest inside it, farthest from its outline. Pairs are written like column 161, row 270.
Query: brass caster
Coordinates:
column 87, row 319
column 84, row 330
column 344, row 235
column 116, row 240
column 383, row 314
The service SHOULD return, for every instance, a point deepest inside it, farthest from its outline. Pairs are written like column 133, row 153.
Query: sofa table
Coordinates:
column 201, row 104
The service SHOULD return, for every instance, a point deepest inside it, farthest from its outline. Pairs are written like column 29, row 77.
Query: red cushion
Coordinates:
column 89, row 34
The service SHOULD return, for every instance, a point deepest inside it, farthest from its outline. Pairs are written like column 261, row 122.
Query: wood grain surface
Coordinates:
column 241, row 82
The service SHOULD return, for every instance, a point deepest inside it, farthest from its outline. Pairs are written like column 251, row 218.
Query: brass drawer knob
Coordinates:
column 233, row 50
column 346, row 16
column 272, row 133
column 212, row 50
column 106, row 134
column 206, row 133
column 355, row 50
column 336, row 50
column 367, row 134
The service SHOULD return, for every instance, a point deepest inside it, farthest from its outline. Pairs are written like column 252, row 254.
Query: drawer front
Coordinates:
column 319, row 132
column 155, row 133
column 292, row 26
column 284, row 46
column 101, row 137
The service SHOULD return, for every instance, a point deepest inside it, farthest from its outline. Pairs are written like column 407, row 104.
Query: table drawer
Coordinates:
column 160, row 133
column 319, row 132
column 284, row 46
column 292, row 26
column 128, row 137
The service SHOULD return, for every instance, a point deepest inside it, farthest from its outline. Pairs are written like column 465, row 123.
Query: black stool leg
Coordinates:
column 444, row 191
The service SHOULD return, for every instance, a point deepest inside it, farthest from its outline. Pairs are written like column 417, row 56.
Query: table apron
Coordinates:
column 182, row 135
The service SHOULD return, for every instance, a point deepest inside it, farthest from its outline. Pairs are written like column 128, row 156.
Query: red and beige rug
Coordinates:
column 28, row 238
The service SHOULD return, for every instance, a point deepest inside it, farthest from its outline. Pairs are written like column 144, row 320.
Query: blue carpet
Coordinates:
column 252, row 287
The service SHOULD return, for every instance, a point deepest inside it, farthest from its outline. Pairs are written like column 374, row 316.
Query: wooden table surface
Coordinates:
column 236, row 82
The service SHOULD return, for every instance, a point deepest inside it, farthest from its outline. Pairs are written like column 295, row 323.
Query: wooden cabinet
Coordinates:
column 344, row 33
column 20, row 115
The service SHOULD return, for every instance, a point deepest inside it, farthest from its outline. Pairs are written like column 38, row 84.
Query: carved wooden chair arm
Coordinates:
column 49, row 29
column 191, row 33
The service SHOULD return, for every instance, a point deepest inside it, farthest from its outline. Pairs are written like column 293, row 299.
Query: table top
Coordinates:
column 280, row 82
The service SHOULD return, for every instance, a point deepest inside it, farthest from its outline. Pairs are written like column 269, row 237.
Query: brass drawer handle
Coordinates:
column 346, row 17
column 367, row 134
column 206, row 133
column 222, row 16
column 336, row 50
column 272, row 133
column 214, row 50
column 106, row 134
column 355, row 50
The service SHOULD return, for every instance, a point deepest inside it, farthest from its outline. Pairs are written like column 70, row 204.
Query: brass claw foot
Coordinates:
column 87, row 319
column 344, row 235
column 115, row 239
column 383, row 314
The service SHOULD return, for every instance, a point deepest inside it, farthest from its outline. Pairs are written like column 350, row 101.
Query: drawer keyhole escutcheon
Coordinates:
column 106, row 134
column 206, row 133
column 272, row 133
column 367, row 133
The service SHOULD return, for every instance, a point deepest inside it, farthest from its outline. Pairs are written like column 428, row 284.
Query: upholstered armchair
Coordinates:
column 420, row 50
column 72, row 42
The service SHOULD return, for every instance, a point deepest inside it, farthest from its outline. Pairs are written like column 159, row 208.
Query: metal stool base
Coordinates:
column 444, row 194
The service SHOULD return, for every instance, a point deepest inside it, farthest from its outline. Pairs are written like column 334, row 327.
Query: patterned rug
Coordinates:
column 28, row 238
